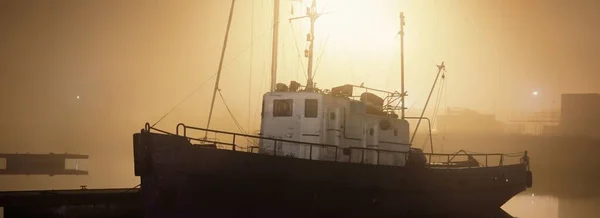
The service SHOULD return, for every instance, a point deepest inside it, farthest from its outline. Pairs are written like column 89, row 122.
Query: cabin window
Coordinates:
column 311, row 107
column 282, row 108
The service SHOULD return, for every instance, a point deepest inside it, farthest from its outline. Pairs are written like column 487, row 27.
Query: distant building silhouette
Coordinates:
column 465, row 121
column 580, row 114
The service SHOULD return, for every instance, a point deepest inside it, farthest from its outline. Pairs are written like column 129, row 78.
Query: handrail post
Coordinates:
column 362, row 158
column 486, row 160
column 407, row 155
column 310, row 155
column 377, row 157
column 177, row 128
column 350, row 155
column 233, row 143
column 448, row 162
column 429, row 159
column 336, row 151
column 525, row 159
column 501, row 160
column 275, row 147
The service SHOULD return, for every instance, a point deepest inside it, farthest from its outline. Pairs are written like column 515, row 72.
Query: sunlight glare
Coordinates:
column 363, row 32
column 359, row 40
column 361, row 24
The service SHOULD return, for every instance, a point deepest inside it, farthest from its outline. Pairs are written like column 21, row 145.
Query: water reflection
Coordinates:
column 500, row 213
column 530, row 205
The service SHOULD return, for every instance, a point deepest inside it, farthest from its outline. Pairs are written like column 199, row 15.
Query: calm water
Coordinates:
column 529, row 205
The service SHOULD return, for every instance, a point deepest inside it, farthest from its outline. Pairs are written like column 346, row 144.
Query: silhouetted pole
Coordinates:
column 440, row 69
column 274, row 46
column 212, row 104
column 402, row 62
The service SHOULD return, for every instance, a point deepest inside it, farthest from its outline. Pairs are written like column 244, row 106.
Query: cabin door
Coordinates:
column 333, row 126
column 333, row 130
column 310, row 126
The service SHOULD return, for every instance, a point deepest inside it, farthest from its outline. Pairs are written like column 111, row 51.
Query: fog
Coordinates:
column 83, row 76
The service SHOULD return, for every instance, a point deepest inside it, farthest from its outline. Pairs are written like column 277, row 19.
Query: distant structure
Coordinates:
column 543, row 122
column 580, row 114
column 39, row 164
column 465, row 121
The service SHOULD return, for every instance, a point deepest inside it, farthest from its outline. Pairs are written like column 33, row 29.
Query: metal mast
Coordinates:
column 212, row 104
column 274, row 46
column 313, row 15
column 403, row 94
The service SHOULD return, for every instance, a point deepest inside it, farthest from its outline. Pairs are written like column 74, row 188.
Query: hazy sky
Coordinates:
column 132, row 61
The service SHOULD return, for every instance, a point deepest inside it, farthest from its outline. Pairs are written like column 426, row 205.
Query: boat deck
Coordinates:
column 231, row 141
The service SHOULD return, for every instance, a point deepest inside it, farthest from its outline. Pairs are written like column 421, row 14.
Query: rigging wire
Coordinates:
column 231, row 113
column 411, row 106
column 224, row 66
column 132, row 188
column 262, row 82
column 185, row 99
column 240, row 128
column 392, row 63
column 251, row 63
column 439, row 100
column 260, row 87
column 264, row 64
column 321, row 55
column 445, row 93
column 248, row 47
column 436, row 108
column 298, row 50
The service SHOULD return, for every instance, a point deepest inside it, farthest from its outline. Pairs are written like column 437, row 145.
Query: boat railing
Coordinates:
column 461, row 159
column 473, row 160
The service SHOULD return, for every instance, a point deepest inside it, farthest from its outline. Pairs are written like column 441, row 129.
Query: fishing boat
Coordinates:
column 340, row 152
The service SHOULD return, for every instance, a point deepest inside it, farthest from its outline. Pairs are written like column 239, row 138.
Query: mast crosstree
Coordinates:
column 313, row 15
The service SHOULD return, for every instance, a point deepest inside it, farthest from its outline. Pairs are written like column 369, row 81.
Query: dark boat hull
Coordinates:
column 182, row 180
